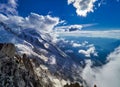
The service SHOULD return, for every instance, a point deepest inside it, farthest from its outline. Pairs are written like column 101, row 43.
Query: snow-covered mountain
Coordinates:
column 49, row 62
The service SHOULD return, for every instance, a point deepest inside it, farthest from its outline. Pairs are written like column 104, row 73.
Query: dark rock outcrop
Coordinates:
column 14, row 73
column 73, row 85
column 7, row 49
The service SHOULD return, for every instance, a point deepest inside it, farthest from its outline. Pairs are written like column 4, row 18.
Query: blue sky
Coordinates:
column 101, row 14
column 107, row 16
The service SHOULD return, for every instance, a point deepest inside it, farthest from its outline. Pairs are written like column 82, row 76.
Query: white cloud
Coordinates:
column 71, row 28
column 39, row 22
column 83, row 7
column 68, row 28
column 101, row 34
column 90, row 51
column 105, row 76
column 84, row 48
column 42, row 24
column 9, row 8
column 76, row 45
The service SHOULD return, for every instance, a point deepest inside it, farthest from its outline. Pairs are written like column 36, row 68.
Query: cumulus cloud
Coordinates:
column 36, row 21
column 41, row 23
column 76, row 45
column 90, row 51
column 83, row 7
column 105, row 76
column 9, row 7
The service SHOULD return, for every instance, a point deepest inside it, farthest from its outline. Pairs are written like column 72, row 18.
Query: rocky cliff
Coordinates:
column 13, row 70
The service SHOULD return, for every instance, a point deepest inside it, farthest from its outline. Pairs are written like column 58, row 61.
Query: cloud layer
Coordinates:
column 101, row 34
column 105, row 76
column 83, row 7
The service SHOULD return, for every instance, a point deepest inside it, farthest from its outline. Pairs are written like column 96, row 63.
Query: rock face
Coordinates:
column 13, row 72
column 7, row 49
